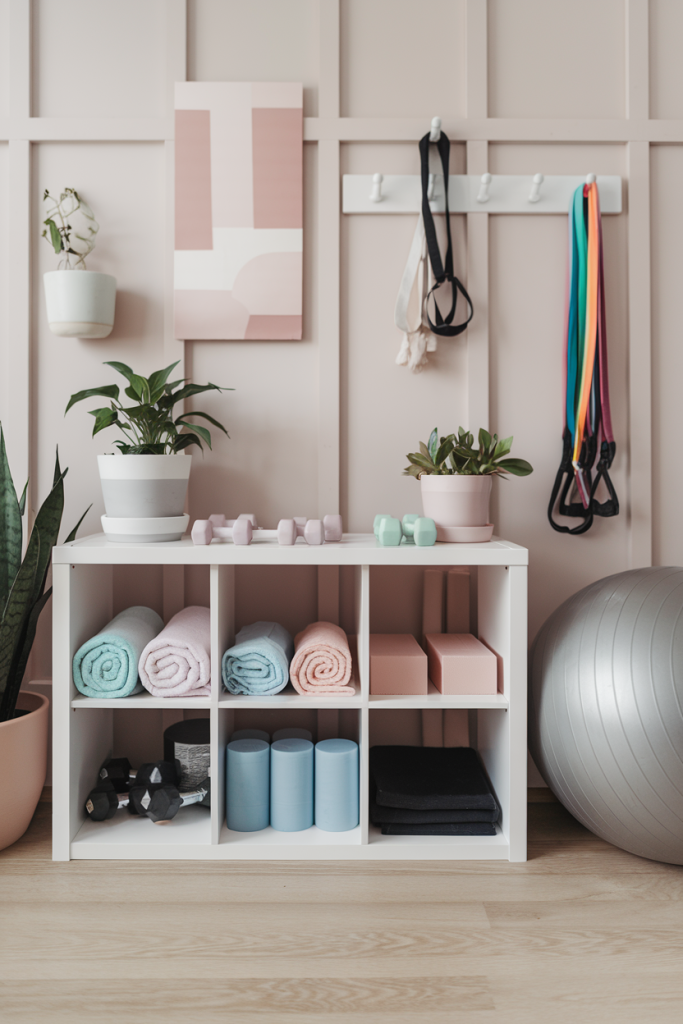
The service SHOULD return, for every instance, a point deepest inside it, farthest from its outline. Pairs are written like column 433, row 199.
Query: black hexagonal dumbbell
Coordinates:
column 116, row 776
column 161, row 803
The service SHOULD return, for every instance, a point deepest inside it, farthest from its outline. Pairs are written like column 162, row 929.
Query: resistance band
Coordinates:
column 443, row 272
column 588, row 423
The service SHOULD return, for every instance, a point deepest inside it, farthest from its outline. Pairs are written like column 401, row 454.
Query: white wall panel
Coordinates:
column 528, row 283
column 4, row 58
column 667, row 352
column 270, row 464
column 94, row 58
column 258, row 41
column 551, row 58
column 403, row 59
column 666, row 38
column 387, row 410
column 122, row 184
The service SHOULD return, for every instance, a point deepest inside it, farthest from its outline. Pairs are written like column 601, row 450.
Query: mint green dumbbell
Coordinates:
column 408, row 524
column 389, row 533
column 424, row 532
column 378, row 519
column 419, row 530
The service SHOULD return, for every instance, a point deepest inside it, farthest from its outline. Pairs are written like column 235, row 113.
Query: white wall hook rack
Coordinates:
column 501, row 193
column 435, row 131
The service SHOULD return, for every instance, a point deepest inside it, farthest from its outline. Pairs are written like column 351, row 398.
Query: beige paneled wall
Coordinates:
column 558, row 76
column 402, row 58
column 386, row 409
column 263, row 40
column 98, row 59
column 666, row 35
column 4, row 58
column 550, row 58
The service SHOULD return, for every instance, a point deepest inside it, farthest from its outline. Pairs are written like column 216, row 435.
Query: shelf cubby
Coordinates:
column 340, row 582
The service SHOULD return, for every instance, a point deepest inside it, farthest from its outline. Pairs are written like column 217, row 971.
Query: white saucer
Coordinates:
column 144, row 531
column 464, row 534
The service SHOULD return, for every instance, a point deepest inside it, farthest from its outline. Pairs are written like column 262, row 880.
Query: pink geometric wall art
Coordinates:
column 238, row 211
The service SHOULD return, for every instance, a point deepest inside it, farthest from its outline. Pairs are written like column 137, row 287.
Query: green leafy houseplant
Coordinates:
column 22, row 583
column 148, row 425
column 456, row 456
column 59, row 232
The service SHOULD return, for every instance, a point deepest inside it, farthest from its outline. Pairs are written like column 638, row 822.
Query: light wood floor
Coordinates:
column 581, row 933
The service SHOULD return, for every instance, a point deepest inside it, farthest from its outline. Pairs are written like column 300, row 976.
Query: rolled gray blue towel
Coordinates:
column 258, row 663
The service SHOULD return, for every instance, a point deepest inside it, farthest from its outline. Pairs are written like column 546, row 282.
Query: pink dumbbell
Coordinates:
column 239, row 531
column 243, row 529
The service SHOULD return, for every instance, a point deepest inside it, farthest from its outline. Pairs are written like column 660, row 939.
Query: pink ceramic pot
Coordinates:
column 456, row 500
column 23, row 766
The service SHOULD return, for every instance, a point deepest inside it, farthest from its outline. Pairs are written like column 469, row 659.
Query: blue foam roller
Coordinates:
column 247, row 798
column 336, row 785
column 250, row 734
column 292, row 734
column 291, row 785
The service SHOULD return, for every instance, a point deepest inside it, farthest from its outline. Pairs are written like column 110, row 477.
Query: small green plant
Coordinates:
column 61, row 235
column 148, row 425
column 456, row 455
column 22, row 583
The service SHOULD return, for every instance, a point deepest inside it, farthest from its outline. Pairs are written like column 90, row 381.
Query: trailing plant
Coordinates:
column 148, row 425
column 456, row 455
column 22, row 583
column 61, row 235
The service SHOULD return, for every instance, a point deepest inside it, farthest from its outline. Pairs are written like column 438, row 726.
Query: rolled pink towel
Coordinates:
column 177, row 662
column 322, row 660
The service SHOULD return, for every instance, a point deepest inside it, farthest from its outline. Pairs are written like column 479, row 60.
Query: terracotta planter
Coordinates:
column 23, row 766
column 457, row 503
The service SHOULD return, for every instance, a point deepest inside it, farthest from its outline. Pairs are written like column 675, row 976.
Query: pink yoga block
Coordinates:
column 398, row 665
column 461, row 664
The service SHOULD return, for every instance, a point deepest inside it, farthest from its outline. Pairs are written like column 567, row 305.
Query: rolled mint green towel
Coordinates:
column 107, row 664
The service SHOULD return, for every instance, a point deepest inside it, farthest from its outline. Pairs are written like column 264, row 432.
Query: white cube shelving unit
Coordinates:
column 83, row 727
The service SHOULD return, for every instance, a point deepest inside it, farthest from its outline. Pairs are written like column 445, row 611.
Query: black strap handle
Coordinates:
column 443, row 271
column 563, row 483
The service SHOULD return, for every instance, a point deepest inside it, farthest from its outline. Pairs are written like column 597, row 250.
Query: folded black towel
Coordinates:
column 477, row 828
column 403, row 816
column 430, row 779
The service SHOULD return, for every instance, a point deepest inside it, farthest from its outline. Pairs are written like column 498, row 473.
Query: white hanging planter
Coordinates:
column 80, row 303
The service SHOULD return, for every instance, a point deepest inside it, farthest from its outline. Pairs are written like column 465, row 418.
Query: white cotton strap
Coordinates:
column 409, row 314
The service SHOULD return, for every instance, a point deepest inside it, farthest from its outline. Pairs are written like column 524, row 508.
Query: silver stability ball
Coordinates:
column 606, row 709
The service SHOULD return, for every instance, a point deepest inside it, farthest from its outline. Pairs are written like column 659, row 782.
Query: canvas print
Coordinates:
column 238, row 210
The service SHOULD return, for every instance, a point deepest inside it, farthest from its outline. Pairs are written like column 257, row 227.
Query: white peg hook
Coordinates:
column 483, row 196
column 536, row 188
column 376, row 194
column 590, row 178
column 430, row 188
column 435, row 133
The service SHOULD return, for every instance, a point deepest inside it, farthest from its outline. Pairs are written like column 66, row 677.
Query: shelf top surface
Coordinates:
column 353, row 549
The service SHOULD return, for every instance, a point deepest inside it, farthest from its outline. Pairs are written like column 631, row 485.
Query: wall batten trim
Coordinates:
column 329, row 241
column 639, row 357
column 17, row 418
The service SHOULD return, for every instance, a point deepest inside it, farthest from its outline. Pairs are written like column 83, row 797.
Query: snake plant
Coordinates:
column 22, row 582
column 456, row 455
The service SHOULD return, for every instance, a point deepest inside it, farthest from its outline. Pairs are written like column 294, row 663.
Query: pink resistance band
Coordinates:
column 587, row 434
